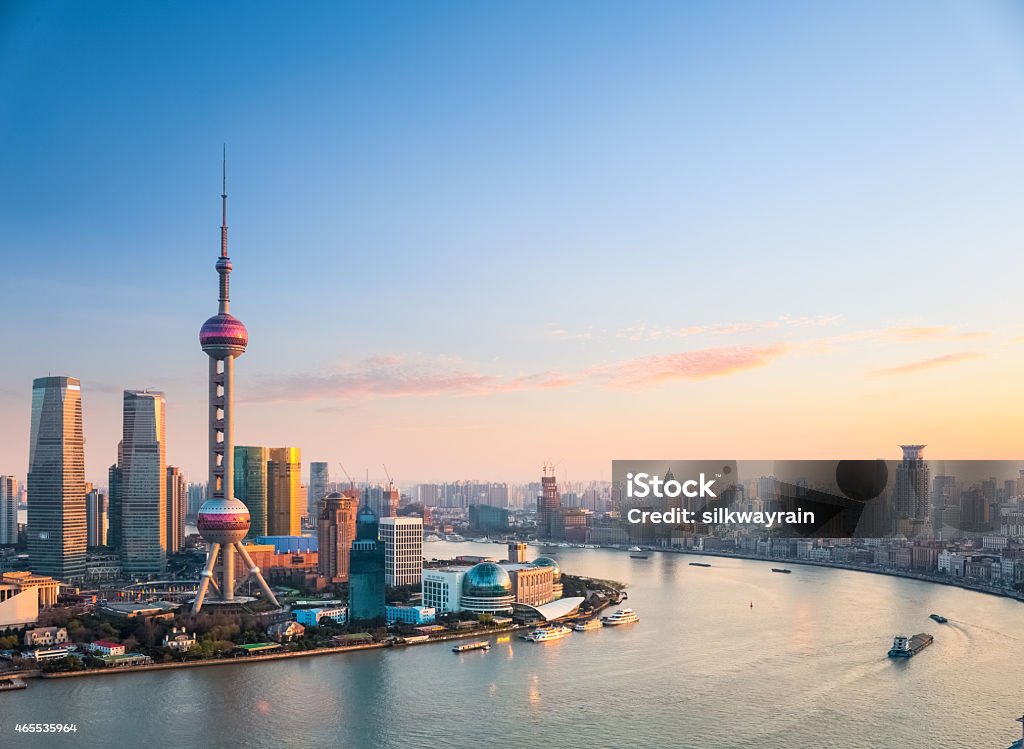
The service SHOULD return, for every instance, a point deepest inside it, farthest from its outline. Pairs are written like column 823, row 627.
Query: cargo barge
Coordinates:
column 904, row 647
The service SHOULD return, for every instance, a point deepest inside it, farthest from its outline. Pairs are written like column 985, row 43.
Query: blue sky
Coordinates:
column 469, row 237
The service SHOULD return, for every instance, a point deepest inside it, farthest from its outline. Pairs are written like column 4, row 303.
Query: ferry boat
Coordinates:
column 466, row 647
column 699, row 564
column 638, row 556
column 543, row 634
column 904, row 647
column 622, row 616
column 634, row 548
column 432, row 538
column 783, row 570
column 587, row 626
column 939, row 618
column 12, row 683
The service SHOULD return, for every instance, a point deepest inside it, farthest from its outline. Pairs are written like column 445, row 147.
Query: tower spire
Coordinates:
column 224, row 206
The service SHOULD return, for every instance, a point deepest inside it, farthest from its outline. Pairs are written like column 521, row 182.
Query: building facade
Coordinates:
column 251, row 485
column 143, row 463
column 284, row 471
column 336, row 531
column 177, row 501
column 403, row 550
column 366, row 568
column 8, row 510
column 319, row 480
column 96, row 518
column 56, row 479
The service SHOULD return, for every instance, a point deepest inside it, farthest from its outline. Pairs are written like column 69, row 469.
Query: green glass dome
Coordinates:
column 486, row 580
column 556, row 571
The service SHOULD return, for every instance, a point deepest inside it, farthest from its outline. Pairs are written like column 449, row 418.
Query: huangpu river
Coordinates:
column 806, row 666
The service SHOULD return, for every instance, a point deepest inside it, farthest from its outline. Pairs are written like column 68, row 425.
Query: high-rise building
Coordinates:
column 319, row 480
column 143, row 463
column 517, row 552
column 284, row 471
column 96, row 518
column 8, row 510
column 251, row 485
column 336, row 530
column 548, row 501
column 366, row 568
column 196, row 497
column 911, row 495
column 56, row 479
column 115, row 481
column 403, row 550
column 176, row 501
column 223, row 520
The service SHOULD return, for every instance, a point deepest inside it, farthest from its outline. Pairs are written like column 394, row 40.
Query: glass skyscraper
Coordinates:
column 143, row 463
column 251, row 486
column 56, row 479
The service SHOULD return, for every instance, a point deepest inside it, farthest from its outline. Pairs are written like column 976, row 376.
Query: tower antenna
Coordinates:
column 224, row 205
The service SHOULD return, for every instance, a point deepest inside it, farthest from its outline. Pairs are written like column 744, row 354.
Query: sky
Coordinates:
column 472, row 237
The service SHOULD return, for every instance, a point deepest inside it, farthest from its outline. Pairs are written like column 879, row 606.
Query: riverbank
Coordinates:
column 906, row 574
column 248, row 659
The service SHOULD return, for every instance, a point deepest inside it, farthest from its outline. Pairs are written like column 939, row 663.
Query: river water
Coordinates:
column 805, row 667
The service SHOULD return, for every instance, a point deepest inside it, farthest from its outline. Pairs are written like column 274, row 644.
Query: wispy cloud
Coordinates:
column 687, row 365
column 932, row 363
column 393, row 376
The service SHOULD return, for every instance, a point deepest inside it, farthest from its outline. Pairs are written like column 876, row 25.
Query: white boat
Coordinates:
column 432, row 538
column 483, row 540
column 587, row 626
column 543, row 634
column 622, row 616
column 634, row 548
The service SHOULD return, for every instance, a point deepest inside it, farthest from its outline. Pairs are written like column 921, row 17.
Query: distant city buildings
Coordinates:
column 403, row 550
column 143, row 483
column 57, row 532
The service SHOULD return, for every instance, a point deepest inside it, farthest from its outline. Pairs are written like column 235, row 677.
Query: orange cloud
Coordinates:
column 687, row 365
column 923, row 364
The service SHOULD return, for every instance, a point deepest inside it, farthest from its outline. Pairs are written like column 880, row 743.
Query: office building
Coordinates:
column 403, row 550
column 56, row 479
column 911, row 491
column 319, row 481
column 251, row 485
column 516, row 552
column 96, row 518
column 8, row 510
column 177, row 499
column 336, row 530
column 366, row 568
column 488, row 519
column 548, row 501
column 143, row 491
column 284, row 471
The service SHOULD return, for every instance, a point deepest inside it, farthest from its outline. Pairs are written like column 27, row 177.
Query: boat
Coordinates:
column 904, row 647
column 939, row 618
column 432, row 538
column 587, row 626
column 638, row 556
column 699, row 564
column 482, row 540
column 12, row 683
column 634, row 548
column 543, row 634
column 466, row 647
column 783, row 570
column 622, row 616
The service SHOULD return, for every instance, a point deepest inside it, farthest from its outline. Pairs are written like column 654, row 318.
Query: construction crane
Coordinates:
column 351, row 483
column 390, row 481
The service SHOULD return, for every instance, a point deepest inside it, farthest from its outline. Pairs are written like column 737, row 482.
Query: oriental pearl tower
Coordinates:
column 223, row 520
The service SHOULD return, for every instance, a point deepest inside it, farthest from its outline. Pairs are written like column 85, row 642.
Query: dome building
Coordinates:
column 556, row 573
column 487, row 589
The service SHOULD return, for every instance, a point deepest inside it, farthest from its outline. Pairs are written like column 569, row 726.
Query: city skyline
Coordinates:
column 606, row 261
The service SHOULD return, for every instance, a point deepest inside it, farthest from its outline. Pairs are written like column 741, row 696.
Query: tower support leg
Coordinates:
column 205, row 575
column 255, row 571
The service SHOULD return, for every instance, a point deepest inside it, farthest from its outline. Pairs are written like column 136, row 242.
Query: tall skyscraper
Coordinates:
column 251, row 485
column 223, row 521
column 284, row 471
column 911, row 496
column 387, row 506
column 56, row 479
column 366, row 568
column 336, row 530
column 319, row 479
column 143, row 498
column 96, row 518
column 403, row 550
column 8, row 510
column 548, row 501
column 176, row 500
